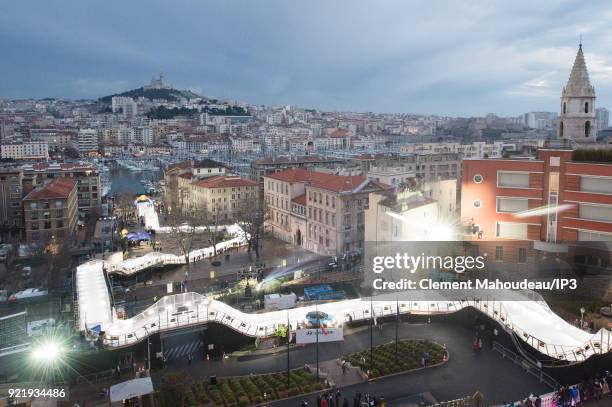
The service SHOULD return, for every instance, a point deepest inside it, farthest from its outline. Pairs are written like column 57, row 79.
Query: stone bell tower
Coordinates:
column 577, row 121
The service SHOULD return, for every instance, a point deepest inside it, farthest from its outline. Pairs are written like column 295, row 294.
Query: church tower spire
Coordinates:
column 577, row 120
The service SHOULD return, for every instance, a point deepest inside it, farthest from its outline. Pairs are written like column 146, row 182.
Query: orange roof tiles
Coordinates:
column 224, row 182
column 337, row 183
column 339, row 133
column 300, row 200
column 57, row 188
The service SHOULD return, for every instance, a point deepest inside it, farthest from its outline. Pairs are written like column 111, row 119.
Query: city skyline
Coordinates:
column 505, row 59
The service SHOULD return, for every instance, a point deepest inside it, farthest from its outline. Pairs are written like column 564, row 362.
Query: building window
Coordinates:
column 602, row 185
column 499, row 253
column 522, row 255
column 512, row 205
column 511, row 230
column 587, row 129
column 508, row 179
column 478, row 178
column 586, row 107
column 564, row 111
column 595, row 212
column 477, row 203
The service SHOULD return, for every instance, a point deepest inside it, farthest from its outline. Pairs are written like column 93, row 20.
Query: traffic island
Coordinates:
column 389, row 359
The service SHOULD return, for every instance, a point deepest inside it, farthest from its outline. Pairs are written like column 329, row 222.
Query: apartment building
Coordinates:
column 87, row 177
column 415, row 213
column 477, row 149
column 178, row 178
column 55, row 138
column 427, row 167
column 225, row 197
column 50, row 211
column 87, row 141
column 269, row 165
column 392, row 173
column 558, row 196
column 11, row 179
column 29, row 150
column 323, row 213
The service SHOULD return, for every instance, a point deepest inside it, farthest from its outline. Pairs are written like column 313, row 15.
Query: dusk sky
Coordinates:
column 442, row 57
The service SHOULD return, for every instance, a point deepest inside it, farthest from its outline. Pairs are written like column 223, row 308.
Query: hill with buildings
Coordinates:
column 157, row 89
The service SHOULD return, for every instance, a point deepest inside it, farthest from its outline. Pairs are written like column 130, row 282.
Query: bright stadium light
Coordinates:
column 47, row 352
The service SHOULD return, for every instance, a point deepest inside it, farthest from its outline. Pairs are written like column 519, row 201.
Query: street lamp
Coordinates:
column 582, row 311
column 148, row 350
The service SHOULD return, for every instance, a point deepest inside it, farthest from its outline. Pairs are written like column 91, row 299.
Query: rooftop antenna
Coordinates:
column 580, row 44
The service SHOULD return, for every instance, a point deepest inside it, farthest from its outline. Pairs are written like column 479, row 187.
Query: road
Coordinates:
column 465, row 372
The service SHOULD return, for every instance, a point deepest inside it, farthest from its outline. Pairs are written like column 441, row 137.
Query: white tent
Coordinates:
column 131, row 388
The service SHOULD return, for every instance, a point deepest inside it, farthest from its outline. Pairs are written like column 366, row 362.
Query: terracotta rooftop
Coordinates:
column 56, row 188
column 337, row 183
column 300, row 200
column 296, row 159
column 182, row 164
column 225, row 182
column 339, row 133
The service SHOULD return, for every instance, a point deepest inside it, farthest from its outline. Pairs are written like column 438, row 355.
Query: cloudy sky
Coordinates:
column 444, row 57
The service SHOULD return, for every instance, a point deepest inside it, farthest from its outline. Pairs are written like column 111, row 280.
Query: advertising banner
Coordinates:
column 304, row 336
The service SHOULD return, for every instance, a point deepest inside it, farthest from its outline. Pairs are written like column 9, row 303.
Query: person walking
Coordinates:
column 537, row 402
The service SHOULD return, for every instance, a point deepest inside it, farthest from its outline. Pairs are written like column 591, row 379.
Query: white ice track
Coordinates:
column 529, row 317
column 152, row 259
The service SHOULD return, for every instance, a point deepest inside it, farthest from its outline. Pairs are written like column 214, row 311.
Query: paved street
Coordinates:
column 272, row 255
column 465, row 372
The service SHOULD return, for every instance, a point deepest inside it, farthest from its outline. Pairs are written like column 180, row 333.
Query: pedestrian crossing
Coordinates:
column 182, row 351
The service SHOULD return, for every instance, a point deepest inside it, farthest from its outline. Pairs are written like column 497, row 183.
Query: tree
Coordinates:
column 71, row 152
column 176, row 390
column 58, row 259
column 183, row 226
column 124, row 205
column 251, row 218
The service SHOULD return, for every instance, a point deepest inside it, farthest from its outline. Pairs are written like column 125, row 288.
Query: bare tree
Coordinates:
column 57, row 260
column 124, row 205
column 183, row 227
column 251, row 217
column 186, row 224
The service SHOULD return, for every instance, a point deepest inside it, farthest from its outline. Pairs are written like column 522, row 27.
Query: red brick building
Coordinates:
column 549, row 198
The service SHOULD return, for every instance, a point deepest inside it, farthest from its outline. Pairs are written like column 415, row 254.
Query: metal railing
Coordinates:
column 527, row 365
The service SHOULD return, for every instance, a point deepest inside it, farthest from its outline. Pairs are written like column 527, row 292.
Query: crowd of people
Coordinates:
column 595, row 388
column 336, row 399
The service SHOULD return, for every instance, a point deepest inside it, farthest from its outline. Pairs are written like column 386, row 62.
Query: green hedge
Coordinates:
column 385, row 361
column 250, row 390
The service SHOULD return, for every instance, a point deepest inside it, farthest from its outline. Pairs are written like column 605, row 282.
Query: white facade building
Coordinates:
column 603, row 118
column 87, row 141
column 31, row 150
